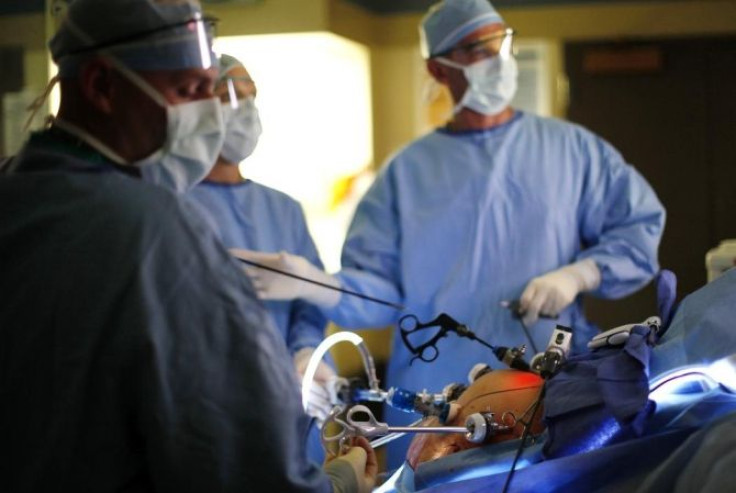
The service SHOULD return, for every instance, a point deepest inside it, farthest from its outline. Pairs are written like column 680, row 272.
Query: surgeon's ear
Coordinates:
column 96, row 81
column 437, row 71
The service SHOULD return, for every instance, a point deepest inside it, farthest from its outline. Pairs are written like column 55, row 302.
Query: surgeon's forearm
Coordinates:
column 623, row 273
column 354, row 312
column 307, row 326
column 626, row 248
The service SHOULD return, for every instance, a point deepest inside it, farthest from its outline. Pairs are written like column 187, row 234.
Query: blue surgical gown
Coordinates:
column 253, row 216
column 457, row 222
column 134, row 355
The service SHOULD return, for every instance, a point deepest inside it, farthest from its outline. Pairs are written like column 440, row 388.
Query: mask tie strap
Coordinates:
column 91, row 140
column 38, row 103
column 449, row 63
column 133, row 77
column 138, row 81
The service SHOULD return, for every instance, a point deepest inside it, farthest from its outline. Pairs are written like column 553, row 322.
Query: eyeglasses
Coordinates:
column 500, row 43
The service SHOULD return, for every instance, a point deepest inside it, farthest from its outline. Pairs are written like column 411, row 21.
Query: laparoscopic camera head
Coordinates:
column 551, row 360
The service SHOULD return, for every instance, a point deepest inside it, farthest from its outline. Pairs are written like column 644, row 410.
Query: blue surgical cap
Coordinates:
column 449, row 21
column 143, row 34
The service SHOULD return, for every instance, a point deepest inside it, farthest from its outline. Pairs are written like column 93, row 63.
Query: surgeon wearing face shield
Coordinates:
column 249, row 215
column 164, row 128
column 496, row 205
column 135, row 354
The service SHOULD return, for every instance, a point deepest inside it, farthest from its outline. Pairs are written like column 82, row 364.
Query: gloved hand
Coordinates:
column 272, row 285
column 319, row 402
column 354, row 471
column 550, row 293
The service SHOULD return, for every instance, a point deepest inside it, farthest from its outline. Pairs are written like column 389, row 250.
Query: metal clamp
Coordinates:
column 482, row 426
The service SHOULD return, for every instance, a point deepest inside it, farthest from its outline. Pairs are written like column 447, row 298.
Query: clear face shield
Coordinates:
column 237, row 92
column 233, row 90
column 181, row 45
column 498, row 44
column 204, row 29
column 194, row 130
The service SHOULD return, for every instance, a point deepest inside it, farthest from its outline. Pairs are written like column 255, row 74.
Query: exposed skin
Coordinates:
column 454, row 79
column 106, row 104
column 502, row 392
column 224, row 171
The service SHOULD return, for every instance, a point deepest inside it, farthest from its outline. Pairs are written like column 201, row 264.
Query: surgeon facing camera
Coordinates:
column 495, row 205
column 136, row 354
column 247, row 214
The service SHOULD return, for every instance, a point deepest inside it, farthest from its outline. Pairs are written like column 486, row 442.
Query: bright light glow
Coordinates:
column 708, row 376
column 491, row 468
column 315, row 105
column 723, row 371
column 664, row 386
column 317, row 356
column 533, row 92
column 204, row 45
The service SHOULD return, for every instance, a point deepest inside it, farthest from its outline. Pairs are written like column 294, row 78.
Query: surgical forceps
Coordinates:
column 427, row 351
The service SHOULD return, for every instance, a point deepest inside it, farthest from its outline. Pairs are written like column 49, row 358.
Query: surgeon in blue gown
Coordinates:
column 496, row 205
column 246, row 214
column 134, row 354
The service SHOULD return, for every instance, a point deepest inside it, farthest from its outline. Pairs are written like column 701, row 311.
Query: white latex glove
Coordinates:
column 272, row 285
column 354, row 471
column 550, row 293
column 319, row 401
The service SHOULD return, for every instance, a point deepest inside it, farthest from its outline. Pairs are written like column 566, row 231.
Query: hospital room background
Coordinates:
column 342, row 85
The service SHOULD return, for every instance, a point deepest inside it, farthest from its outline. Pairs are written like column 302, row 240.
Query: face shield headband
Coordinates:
column 182, row 45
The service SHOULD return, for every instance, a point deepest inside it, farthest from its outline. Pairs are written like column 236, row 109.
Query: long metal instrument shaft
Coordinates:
column 379, row 442
column 428, row 429
column 397, row 432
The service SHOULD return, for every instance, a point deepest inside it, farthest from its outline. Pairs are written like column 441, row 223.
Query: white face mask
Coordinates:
column 243, row 128
column 194, row 136
column 492, row 83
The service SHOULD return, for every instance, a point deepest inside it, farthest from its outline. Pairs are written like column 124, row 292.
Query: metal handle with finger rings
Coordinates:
column 342, row 437
column 370, row 427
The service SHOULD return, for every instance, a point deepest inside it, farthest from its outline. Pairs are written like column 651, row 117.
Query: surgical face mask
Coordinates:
column 243, row 128
column 492, row 83
column 194, row 136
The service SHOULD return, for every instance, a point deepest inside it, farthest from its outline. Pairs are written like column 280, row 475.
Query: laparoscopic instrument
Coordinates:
column 440, row 405
column 478, row 428
column 322, row 284
column 514, row 306
column 410, row 325
column 427, row 351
